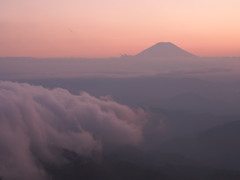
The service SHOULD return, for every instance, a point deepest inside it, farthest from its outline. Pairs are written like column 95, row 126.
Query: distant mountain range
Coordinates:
column 166, row 50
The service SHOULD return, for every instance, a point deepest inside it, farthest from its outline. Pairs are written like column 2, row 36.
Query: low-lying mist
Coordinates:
column 36, row 124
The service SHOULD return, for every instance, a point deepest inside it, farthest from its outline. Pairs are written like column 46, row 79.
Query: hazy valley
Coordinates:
column 161, row 114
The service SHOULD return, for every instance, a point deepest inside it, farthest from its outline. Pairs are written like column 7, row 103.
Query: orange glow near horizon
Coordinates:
column 105, row 29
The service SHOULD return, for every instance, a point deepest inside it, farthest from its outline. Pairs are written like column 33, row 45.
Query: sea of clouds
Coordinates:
column 36, row 124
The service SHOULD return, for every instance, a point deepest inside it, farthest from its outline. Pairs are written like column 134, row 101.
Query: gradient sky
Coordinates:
column 103, row 28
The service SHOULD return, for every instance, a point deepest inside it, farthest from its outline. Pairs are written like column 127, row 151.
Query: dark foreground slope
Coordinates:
column 216, row 147
column 143, row 166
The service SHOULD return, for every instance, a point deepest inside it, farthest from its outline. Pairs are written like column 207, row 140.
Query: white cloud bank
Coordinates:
column 36, row 123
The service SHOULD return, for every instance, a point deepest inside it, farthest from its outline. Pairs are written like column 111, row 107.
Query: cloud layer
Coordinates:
column 37, row 123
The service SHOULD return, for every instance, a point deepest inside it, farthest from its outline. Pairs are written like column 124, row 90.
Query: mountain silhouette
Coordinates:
column 166, row 50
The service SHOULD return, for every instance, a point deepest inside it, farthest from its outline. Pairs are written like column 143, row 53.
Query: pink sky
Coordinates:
column 77, row 28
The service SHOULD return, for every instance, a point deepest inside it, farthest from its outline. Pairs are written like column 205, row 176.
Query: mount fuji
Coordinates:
column 165, row 50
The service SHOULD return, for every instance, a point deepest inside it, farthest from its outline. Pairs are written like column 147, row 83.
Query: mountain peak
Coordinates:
column 166, row 50
column 160, row 43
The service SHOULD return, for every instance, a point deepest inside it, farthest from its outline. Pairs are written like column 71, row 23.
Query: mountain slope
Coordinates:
column 217, row 147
